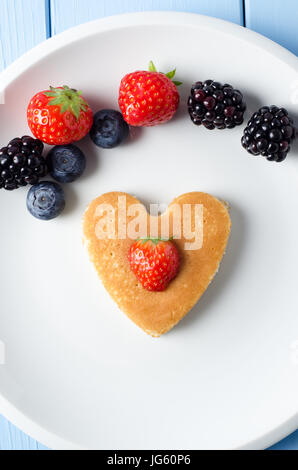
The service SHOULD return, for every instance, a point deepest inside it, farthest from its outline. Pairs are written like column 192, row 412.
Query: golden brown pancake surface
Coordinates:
column 158, row 312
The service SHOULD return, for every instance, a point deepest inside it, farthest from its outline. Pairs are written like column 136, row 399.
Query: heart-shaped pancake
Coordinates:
column 108, row 245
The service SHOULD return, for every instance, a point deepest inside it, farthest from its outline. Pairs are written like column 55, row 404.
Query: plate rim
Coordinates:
column 126, row 20
column 75, row 34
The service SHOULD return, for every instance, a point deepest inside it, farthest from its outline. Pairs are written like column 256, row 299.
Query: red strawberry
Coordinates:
column 155, row 262
column 59, row 116
column 148, row 98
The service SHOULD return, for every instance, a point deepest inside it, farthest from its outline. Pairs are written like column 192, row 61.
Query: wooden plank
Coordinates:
column 68, row 13
column 12, row 438
column 276, row 19
column 23, row 24
column 289, row 443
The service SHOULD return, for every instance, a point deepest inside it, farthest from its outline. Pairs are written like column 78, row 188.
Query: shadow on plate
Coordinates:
column 71, row 199
column 294, row 144
column 227, row 270
column 135, row 133
column 253, row 103
column 91, row 152
column 98, row 104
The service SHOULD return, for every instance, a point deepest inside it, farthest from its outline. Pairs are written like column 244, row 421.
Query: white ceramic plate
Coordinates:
column 78, row 373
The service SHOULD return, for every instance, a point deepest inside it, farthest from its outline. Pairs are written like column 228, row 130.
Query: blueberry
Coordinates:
column 109, row 129
column 66, row 163
column 45, row 200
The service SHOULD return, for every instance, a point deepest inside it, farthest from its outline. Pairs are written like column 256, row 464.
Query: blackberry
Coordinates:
column 269, row 133
column 215, row 105
column 21, row 163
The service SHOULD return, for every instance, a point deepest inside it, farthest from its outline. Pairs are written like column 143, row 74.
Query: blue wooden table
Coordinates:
column 25, row 23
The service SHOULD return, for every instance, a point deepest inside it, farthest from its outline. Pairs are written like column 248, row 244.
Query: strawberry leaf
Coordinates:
column 75, row 108
column 50, row 93
column 177, row 83
column 152, row 67
column 67, row 99
column 56, row 101
column 64, row 108
column 171, row 74
column 155, row 241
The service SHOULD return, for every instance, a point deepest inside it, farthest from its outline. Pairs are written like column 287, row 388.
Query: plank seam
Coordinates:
column 244, row 13
column 48, row 14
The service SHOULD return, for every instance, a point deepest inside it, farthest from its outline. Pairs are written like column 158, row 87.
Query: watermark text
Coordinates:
column 178, row 221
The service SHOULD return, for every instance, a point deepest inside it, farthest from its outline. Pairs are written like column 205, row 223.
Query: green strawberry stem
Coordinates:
column 170, row 75
column 155, row 241
column 68, row 99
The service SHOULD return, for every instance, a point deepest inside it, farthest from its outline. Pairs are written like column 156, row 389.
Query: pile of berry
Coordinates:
column 61, row 116
column 269, row 131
